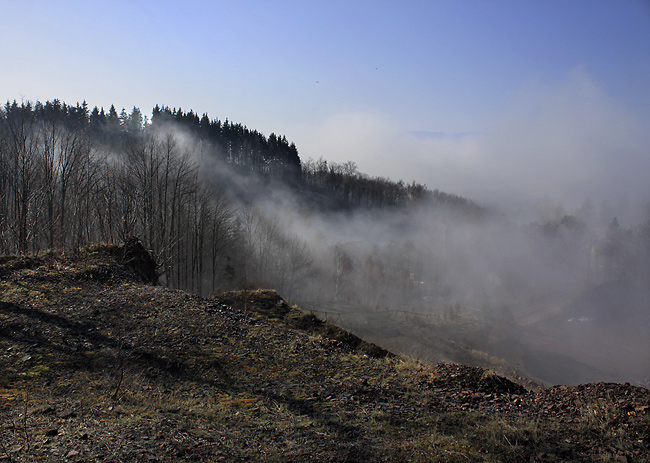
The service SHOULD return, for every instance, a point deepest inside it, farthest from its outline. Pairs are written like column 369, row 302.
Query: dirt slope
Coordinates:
column 96, row 365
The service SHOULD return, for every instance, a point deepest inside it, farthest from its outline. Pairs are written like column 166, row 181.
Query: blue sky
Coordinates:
column 552, row 98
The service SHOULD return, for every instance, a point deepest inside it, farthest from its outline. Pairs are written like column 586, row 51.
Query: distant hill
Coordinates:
column 98, row 365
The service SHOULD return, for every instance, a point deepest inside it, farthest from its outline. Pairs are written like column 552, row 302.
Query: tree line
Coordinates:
column 70, row 175
column 64, row 184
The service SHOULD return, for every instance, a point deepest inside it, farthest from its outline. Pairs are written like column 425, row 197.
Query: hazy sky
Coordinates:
column 489, row 98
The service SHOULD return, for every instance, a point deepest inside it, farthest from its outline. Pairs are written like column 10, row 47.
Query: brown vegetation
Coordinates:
column 98, row 366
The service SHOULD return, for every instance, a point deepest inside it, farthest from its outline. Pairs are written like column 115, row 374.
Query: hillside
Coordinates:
column 97, row 365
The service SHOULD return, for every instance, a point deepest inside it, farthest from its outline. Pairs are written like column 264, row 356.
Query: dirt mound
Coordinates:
column 475, row 379
column 102, row 261
column 136, row 258
column 268, row 305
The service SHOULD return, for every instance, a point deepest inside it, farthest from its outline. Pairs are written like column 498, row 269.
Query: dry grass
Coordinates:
column 99, row 367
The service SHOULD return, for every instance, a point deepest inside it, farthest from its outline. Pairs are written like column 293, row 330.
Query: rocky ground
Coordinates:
column 96, row 365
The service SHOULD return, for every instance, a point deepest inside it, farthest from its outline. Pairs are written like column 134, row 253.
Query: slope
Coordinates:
column 99, row 366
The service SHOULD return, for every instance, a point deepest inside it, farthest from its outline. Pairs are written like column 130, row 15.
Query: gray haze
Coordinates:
column 531, row 297
column 560, row 143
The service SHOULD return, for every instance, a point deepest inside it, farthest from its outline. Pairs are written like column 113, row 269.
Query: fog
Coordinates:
column 562, row 141
column 528, row 294
column 551, row 283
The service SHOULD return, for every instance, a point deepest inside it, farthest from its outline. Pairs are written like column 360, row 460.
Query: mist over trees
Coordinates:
column 223, row 207
column 191, row 188
column 185, row 185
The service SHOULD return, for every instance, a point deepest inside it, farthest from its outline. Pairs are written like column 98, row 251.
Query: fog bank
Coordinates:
column 562, row 141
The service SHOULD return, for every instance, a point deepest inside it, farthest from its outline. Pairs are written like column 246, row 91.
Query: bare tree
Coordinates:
column 22, row 144
column 220, row 237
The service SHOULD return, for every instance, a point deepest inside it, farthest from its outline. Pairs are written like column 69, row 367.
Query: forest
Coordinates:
column 186, row 186
column 224, row 207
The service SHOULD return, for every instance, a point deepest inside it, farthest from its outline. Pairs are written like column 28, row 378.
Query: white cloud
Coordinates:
column 565, row 141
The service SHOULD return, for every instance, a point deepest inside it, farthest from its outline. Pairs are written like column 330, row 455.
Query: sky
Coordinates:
column 501, row 101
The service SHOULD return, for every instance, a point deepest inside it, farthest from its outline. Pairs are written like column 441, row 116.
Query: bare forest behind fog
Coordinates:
column 225, row 207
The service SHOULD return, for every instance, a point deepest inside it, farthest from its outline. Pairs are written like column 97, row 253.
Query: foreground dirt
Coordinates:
column 95, row 365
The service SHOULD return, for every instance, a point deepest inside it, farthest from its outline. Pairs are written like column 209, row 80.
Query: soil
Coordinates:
column 98, row 365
